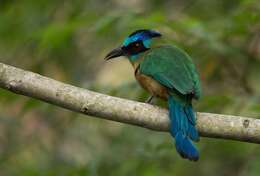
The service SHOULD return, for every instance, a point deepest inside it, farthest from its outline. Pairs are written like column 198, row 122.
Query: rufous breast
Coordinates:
column 151, row 85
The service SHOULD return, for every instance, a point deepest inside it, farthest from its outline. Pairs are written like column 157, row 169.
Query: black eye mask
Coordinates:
column 134, row 48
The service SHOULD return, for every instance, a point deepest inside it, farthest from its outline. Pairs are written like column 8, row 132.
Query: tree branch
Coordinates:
column 117, row 109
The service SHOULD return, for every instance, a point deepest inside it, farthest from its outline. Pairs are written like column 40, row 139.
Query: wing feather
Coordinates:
column 173, row 68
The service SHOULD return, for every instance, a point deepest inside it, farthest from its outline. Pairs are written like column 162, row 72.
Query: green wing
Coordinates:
column 173, row 68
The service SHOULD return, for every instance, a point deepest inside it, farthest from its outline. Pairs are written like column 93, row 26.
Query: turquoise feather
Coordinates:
column 174, row 69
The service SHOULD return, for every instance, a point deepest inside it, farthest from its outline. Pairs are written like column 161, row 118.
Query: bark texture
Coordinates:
column 121, row 110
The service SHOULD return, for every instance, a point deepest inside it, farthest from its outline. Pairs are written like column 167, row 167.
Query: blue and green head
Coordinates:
column 136, row 43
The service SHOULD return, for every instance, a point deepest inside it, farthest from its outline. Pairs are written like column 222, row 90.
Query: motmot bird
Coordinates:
column 166, row 72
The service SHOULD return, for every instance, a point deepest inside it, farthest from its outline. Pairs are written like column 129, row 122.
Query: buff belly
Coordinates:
column 152, row 86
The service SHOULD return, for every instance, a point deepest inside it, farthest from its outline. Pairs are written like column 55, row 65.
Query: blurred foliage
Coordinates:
column 66, row 40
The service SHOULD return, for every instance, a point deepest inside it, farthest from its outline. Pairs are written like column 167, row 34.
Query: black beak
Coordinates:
column 115, row 53
column 155, row 34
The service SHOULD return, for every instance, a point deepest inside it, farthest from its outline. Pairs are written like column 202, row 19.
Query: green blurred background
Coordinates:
column 68, row 39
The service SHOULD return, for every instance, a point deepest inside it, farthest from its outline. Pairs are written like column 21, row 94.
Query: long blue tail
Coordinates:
column 183, row 128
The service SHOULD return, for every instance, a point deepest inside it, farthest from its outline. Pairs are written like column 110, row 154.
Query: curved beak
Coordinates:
column 115, row 53
column 155, row 34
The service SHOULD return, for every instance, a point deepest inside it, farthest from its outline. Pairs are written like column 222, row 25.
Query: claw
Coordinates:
column 149, row 99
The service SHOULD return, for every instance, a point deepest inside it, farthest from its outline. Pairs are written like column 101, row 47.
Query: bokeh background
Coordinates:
column 68, row 39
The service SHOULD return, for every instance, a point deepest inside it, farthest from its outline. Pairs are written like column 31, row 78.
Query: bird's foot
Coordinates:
column 149, row 100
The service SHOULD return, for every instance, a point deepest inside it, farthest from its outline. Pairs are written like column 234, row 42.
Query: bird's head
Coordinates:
column 135, row 44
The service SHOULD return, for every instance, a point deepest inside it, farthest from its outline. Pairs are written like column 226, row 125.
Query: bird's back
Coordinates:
column 172, row 68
